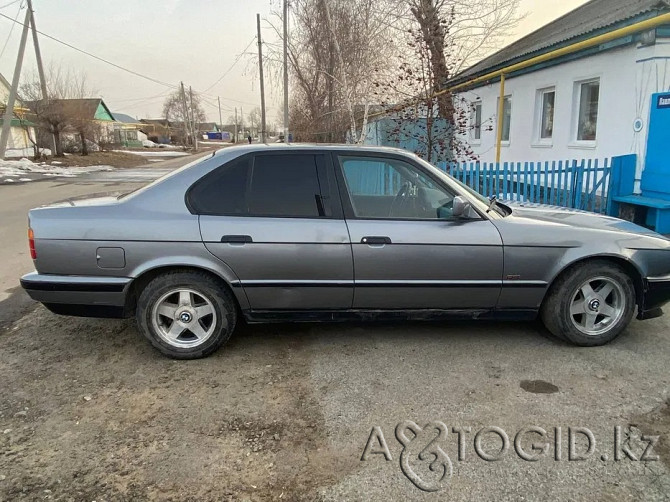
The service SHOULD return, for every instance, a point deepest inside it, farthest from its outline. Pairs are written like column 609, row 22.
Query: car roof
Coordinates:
column 286, row 147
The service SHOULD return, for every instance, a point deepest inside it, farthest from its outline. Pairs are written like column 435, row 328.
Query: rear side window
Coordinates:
column 269, row 185
column 284, row 185
column 224, row 191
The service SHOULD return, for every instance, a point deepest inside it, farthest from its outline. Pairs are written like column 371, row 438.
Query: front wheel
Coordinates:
column 591, row 304
column 186, row 315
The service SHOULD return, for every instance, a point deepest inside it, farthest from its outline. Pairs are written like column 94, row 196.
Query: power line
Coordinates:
column 156, row 81
column 147, row 98
column 231, row 66
column 11, row 3
column 12, row 28
column 209, row 102
column 132, row 72
column 231, row 99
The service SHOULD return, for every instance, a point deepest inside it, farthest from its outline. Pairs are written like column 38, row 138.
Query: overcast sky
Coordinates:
column 196, row 41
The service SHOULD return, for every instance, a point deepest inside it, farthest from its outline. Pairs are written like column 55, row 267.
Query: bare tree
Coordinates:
column 52, row 113
column 185, row 112
column 347, row 56
column 37, row 153
column 83, row 125
column 254, row 119
column 444, row 37
column 335, row 46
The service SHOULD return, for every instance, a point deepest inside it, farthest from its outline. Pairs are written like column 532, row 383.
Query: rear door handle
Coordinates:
column 376, row 241
column 237, row 239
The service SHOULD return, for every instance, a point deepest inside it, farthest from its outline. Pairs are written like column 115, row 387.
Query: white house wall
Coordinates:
column 18, row 138
column 628, row 76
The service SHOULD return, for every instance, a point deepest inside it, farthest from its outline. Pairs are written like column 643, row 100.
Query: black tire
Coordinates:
column 222, row 322
column 556, row 314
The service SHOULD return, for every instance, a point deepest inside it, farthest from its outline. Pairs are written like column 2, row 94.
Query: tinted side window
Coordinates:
column 224, row 191
column 284, row 185
column 392, row 189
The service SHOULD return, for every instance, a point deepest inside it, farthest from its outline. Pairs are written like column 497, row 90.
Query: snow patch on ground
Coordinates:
column 14, row 168
column 19, row 153
column 152, row 153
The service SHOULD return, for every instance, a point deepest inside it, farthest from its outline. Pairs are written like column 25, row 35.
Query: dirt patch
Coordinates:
column 657, row 423
column 538, row 387
column 114, row 159
column 88, row 411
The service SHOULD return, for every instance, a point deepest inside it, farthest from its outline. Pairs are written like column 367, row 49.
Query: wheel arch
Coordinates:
column 626, row 264
column 225, row 277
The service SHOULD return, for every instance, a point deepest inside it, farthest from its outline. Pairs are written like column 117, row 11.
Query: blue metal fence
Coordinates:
column 578, row 184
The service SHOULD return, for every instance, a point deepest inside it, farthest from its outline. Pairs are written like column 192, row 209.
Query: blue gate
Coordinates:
column 583, row 184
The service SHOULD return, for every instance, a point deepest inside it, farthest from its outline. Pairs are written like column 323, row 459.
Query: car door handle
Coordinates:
column 376, row 241
column 237, row 239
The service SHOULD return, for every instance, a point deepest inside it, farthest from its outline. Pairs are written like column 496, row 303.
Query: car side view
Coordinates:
column 325, row 233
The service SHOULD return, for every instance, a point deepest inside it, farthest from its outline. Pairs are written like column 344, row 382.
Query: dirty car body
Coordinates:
column 320, row 233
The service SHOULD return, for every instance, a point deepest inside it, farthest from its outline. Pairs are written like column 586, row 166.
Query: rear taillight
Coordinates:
column 31, row 243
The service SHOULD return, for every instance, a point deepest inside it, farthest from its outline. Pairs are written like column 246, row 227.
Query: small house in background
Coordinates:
column 212, row 131
column 162, row 131
column 128, row 131
column 22, row 131
column 406, row 126
column 91, row 110
column 230, row 130
column 589, row 102
column 205, row 127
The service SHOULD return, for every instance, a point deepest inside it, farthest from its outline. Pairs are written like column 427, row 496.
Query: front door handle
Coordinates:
column 376, row 241
column 237, row 239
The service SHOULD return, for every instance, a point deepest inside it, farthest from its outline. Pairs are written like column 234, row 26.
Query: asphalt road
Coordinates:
column 89, row 411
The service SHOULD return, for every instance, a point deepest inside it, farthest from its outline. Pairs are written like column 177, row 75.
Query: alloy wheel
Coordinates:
column 184, row 318
column 597, row 305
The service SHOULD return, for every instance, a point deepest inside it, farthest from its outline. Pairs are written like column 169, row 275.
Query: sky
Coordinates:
column 194, row 41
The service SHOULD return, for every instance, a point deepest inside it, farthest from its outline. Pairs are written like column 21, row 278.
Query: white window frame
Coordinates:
column 473, row 122
column 538, row 140
column 505, row 142
column 576, row 106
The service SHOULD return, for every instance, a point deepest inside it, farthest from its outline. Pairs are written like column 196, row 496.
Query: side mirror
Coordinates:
column 460, row 207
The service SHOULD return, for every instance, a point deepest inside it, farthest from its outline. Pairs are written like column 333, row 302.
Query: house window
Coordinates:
column 131, row 135
column 507, row 117
column 587, row 119
column 547, row 100
column 476, row 121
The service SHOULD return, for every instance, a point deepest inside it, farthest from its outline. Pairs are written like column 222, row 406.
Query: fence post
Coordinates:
column 622, row 181
column 578, row 184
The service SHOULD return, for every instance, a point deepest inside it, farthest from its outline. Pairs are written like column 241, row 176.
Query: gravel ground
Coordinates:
column 89, row 411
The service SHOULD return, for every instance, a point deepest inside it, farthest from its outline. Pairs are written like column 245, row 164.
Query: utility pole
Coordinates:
column 218, row 98
column 186, row 119
column 40, row 66
column 236, row 138
column 286, row 71
column 194, row 126
column 9, row 111
column 260, row 68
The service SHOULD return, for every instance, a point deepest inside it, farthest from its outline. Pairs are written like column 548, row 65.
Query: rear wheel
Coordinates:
column 186, row 315
column 591, row 304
